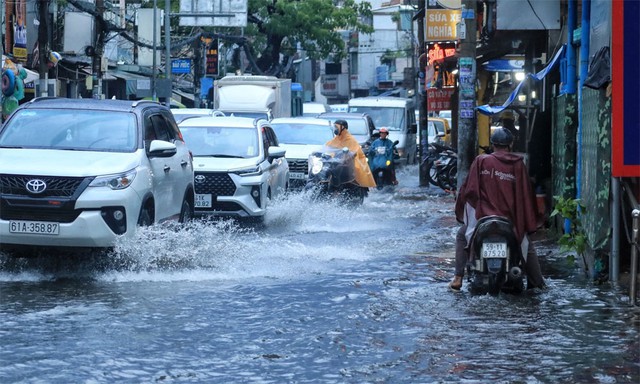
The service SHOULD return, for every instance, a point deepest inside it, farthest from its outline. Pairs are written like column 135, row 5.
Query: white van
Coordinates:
column 398, row 115
column 314, row 109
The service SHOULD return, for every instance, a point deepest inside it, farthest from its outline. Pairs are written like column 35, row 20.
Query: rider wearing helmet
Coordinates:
column 378, row 162
column 497, row 184
column 342, row 139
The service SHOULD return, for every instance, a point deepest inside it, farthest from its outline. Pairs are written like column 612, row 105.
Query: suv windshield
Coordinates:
column 221, row 141
column 388, row 117
column 72, row 129
column 291, row 133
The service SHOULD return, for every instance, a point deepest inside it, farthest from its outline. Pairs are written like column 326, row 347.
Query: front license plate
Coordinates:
column 494, row 251
column 34, row 227
column 297, row 175
column 203, row 200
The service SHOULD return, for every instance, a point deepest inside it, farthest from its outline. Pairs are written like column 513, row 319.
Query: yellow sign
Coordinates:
column 441, row 24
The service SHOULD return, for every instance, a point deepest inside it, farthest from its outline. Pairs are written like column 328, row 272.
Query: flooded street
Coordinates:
column 322, row 294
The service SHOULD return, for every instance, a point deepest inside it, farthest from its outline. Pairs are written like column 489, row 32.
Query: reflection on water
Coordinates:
column 321, row 294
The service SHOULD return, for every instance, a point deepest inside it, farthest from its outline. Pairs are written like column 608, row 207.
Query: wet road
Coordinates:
column 323, row 294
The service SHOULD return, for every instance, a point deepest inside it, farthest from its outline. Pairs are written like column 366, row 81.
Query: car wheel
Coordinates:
column 145, row 220
column 186, row 212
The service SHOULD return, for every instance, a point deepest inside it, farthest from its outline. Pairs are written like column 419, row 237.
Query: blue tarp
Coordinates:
column 489, row 110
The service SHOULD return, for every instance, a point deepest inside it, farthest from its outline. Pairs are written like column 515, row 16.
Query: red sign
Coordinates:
column 625, row 118
column 212, row 58
column 439, row 99
column 438, row 52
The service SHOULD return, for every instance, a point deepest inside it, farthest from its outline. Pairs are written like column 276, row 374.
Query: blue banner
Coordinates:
column 489, row 110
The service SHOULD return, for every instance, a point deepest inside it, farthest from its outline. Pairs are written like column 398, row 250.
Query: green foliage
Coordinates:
column 278, row 26
column 576, row 240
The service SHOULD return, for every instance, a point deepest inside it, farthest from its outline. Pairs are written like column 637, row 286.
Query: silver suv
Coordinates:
column 239, row 166
column 83, row 172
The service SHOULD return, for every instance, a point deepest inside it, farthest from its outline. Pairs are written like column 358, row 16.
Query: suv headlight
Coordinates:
column 120, row 181
column 316, row 165
column 253, row 171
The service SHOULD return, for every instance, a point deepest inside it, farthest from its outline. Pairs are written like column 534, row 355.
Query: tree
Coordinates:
column 279, row 27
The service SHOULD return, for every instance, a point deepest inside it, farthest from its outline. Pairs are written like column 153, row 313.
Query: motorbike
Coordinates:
column 496, row 263
column 446, row 169
column 383, row 165
column 332, row 175
column 433, row 154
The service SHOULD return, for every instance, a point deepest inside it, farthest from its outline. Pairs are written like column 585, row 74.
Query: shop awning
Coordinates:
column 490, row 111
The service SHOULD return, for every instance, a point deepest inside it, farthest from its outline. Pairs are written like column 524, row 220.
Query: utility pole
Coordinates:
column 167, row 43
column 467, row 131
column 98, row 51
column 43, row 46
column 422, row 124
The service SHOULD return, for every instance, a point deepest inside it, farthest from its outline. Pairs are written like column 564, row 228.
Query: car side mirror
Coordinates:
column 161, row 148
column 440, row 134
column 276, row 152
column 413, row 129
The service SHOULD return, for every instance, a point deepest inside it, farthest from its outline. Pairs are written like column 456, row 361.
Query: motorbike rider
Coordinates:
column 342, row 139
column 380, row 162
column 497, row 184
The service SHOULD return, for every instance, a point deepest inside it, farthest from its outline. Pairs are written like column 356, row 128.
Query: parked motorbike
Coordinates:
column 332, row 175
column 433, row 154
column 495, row 258
column 383, row 165
column 446, row 169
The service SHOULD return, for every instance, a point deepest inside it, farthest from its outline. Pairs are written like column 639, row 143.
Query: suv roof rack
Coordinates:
column 42, row 98
column 138, row 102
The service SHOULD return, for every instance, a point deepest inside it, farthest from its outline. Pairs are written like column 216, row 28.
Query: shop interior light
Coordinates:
column 519, row 76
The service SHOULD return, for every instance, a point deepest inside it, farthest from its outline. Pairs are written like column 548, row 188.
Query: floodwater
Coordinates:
column 322, row 294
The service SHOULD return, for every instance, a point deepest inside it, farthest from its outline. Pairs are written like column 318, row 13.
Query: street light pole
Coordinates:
column 422, row 124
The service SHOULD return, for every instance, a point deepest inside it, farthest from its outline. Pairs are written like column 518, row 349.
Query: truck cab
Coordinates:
column 397, row 114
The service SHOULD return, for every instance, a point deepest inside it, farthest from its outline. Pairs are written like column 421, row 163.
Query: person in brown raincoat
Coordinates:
column 342, row 139
column 497, row 184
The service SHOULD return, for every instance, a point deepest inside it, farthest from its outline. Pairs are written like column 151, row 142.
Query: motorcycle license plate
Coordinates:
column 381, row 150
column 494, row 251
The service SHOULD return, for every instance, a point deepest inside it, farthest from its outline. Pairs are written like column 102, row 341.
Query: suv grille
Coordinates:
column 217, row 184
column 298, row 165
column 55, row 186
column 55, row 203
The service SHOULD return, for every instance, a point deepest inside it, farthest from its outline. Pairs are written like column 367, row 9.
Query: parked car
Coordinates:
column 82, row 172
column 300, row 137
column 360, row 124
column 443, row 130
column 314, row 109
column 184, row 113
column 239, row 165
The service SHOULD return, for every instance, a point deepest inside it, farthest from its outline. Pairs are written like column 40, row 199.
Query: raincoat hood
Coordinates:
column 364, row 178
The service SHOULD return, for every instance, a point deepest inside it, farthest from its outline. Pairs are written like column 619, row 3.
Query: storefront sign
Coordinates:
column 441, row 24
column 439, row 99
column 438, row 52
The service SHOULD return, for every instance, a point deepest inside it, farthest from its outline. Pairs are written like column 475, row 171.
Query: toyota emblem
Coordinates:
column 36, row 186
column 200, row 178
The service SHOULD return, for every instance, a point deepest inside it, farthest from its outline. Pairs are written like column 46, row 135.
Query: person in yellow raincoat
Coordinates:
column 342, row 139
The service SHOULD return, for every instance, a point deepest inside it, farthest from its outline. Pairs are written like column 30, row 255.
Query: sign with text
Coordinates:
column 439, row 99
column 212, row 58
column 440, row 51
column 441, row 24
column 181, row 66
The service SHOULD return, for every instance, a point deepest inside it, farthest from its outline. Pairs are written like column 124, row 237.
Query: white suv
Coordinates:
column 238, row 164
column 82, row 172
column 301, row 136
